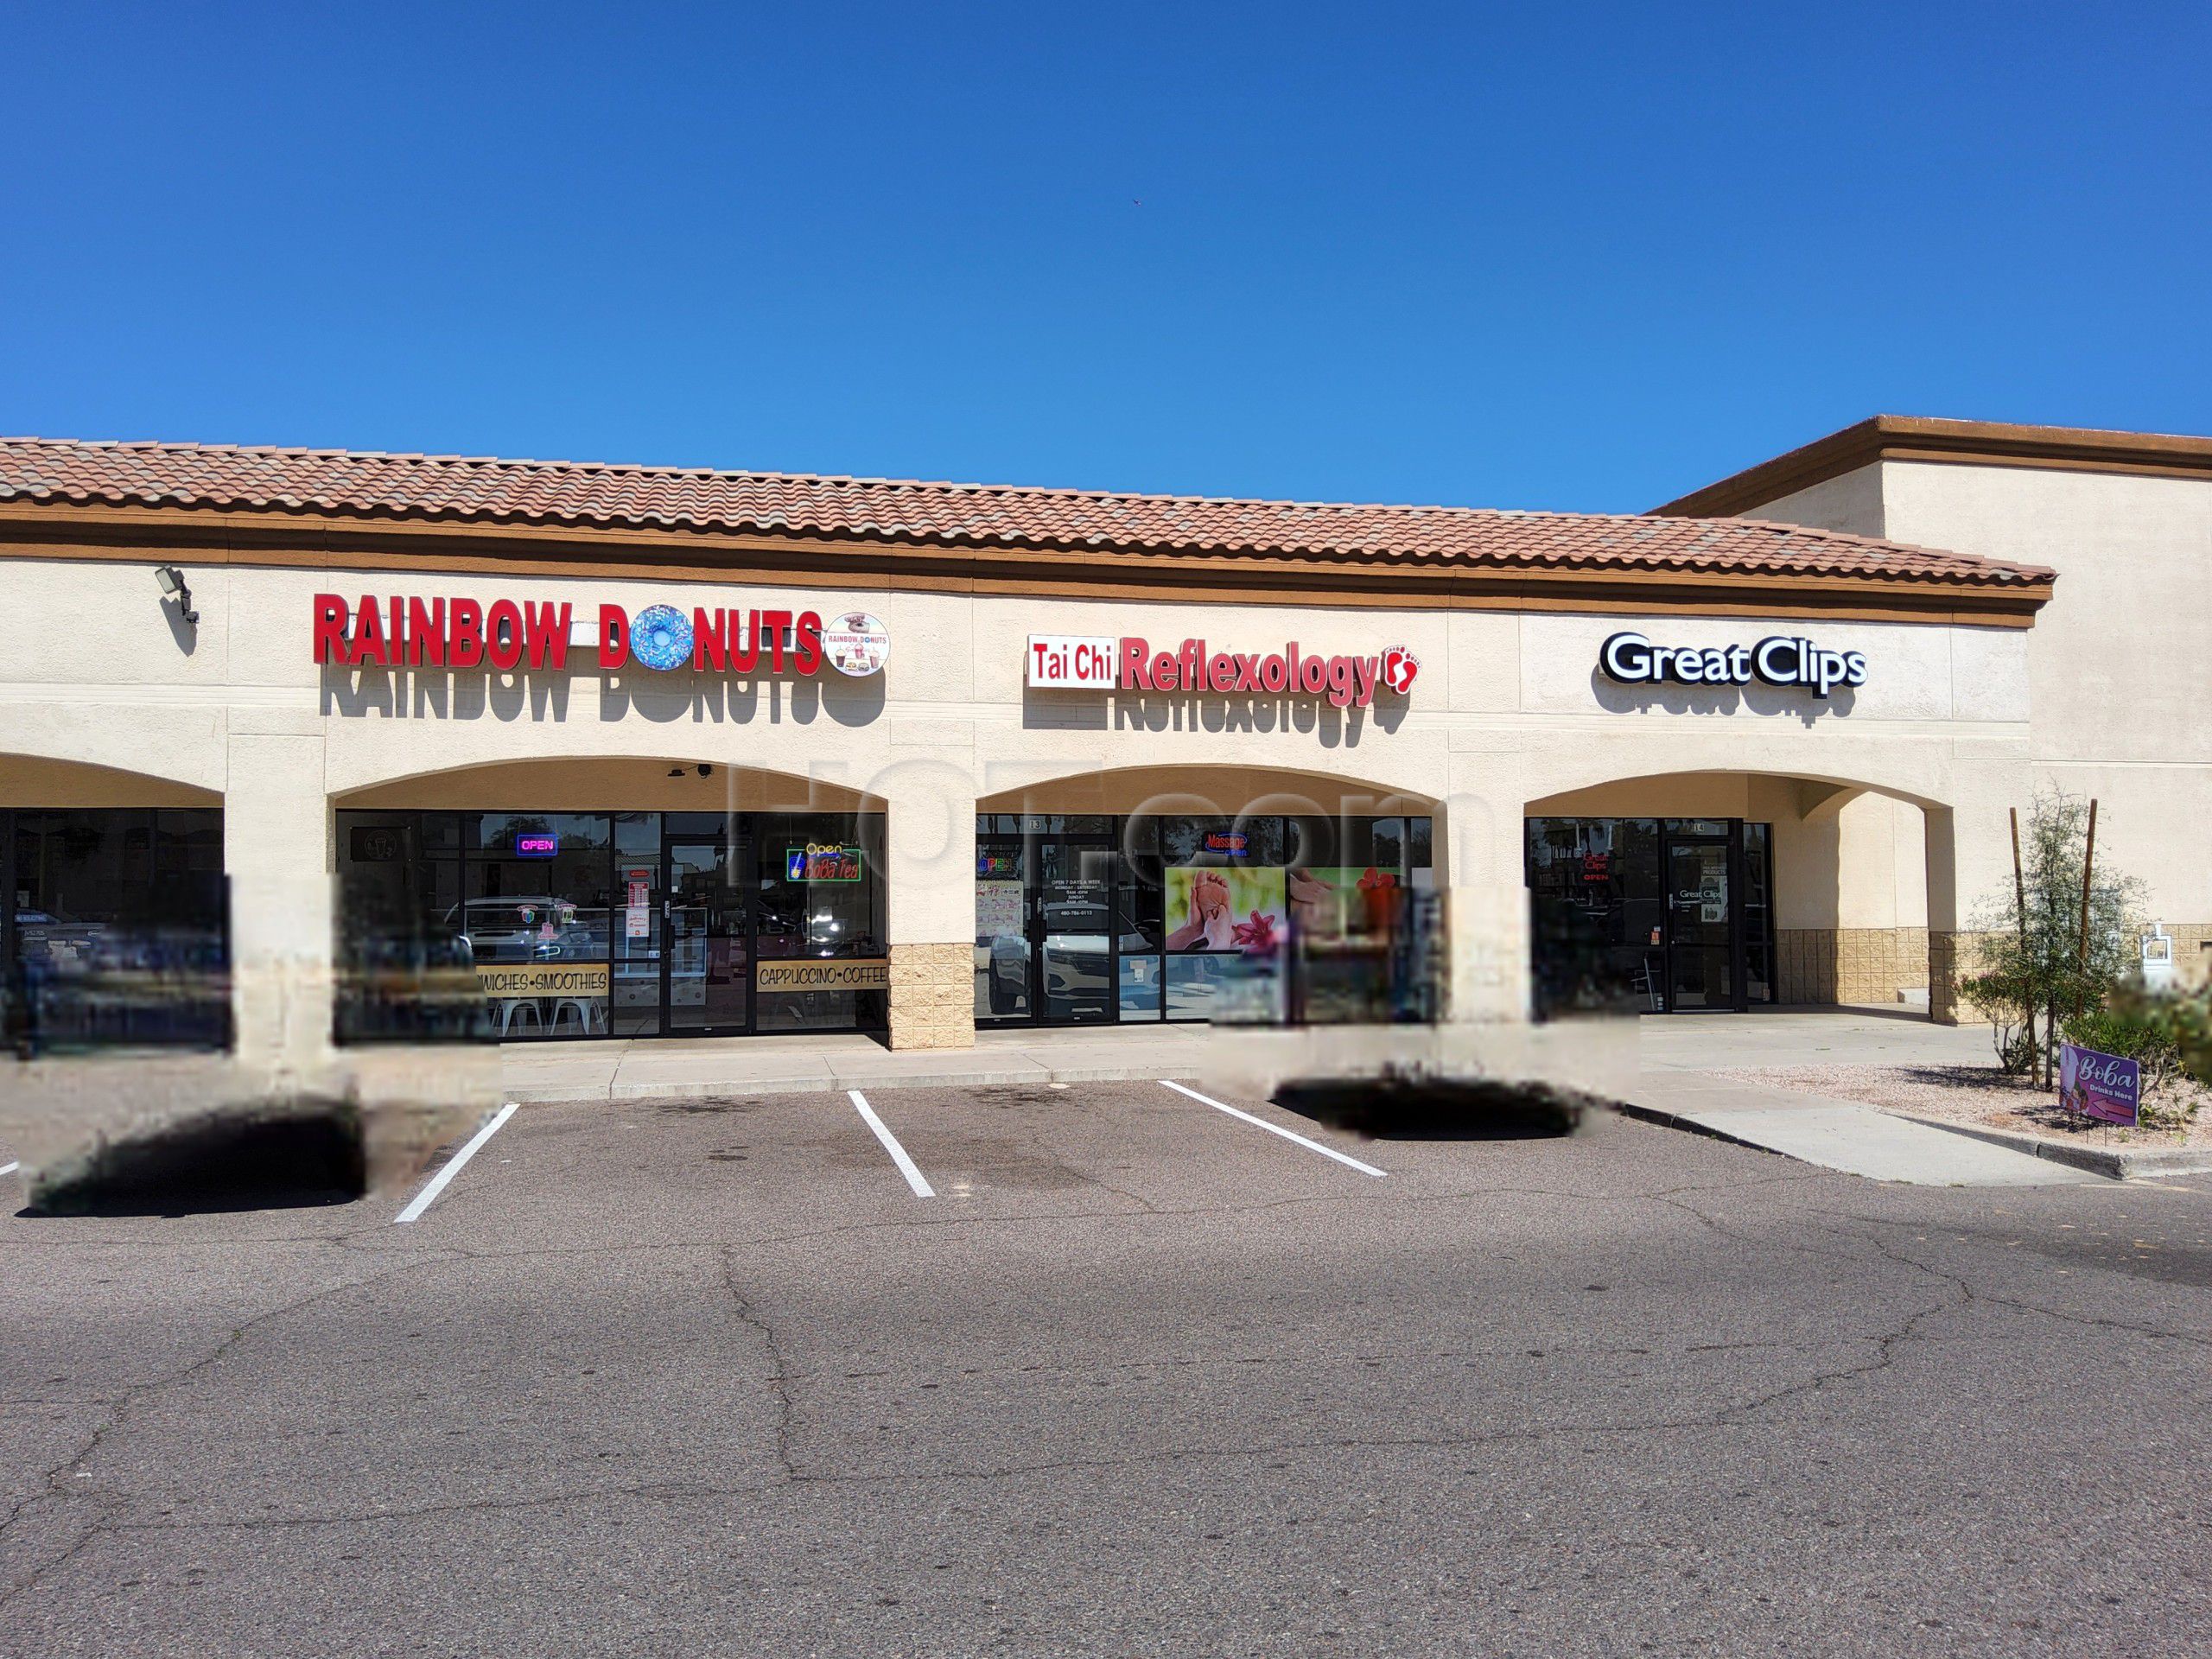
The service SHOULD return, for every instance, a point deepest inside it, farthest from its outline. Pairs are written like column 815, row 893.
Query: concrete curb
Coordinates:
column 1667, row 1120
column 2116, row 1163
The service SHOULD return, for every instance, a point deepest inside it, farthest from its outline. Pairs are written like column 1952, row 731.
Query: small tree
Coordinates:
column 2033, row 961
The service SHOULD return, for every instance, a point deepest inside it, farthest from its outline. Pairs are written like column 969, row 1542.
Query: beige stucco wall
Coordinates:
column 2119, row 688
column 1850, row 502
column 1507, row 710
column 2118, row 668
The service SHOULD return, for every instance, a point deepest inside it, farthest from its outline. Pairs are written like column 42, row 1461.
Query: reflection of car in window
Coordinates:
column 1074, row 956
column 531, row 927
column 51, row 939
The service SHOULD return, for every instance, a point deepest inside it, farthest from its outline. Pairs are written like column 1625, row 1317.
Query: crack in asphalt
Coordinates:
column 783, row 1382
column 119, row 1408
column 2158, row 1332
column 779, row 1381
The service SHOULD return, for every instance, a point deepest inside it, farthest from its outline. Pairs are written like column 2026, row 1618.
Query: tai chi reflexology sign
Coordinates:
column 1071, row 662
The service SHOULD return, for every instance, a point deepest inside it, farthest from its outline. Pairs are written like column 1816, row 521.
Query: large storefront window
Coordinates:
column 820, row 923
column 539, row 893
column 1650, row 915
column 519, row 926
column 118, row 931
column 1263, row 920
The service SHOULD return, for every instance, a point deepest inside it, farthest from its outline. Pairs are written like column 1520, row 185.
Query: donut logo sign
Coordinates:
column 856, row 644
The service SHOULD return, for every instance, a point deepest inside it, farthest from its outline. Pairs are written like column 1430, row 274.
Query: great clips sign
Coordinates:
column 508, row 634
column 1632, row 659
column 1074, row 662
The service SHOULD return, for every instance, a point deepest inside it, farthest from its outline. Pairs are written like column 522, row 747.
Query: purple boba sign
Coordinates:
column 2102, row 1086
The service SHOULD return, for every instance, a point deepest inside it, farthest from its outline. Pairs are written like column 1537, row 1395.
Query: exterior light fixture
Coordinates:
column 676, row 771
column 173, row 586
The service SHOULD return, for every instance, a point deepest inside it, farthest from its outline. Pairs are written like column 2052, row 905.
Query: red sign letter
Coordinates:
column 329, row 628
column 1135, row 654
column 810, row 642
column 546, row 628
column 465, row 618
column 614, row 636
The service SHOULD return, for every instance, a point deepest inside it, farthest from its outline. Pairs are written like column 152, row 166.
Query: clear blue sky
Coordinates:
column 1535, row 255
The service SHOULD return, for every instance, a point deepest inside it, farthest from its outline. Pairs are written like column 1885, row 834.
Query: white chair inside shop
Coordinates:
column 518, row 1016
column 574, row 1018
column 1647, row 982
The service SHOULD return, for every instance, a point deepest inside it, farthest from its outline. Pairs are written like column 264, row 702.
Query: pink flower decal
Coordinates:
column 1256, row 936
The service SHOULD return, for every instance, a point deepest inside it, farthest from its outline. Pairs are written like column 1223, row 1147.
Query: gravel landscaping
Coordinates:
column 1976, row 1094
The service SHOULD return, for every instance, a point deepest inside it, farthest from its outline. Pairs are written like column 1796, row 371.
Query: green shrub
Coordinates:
column 2188, row 1022
column 2039, row 962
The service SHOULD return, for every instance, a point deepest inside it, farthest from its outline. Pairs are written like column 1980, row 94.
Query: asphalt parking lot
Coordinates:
column 1137, row 1374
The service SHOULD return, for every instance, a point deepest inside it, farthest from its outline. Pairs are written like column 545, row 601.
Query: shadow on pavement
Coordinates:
column 1394, row 1109
column 308, row 1155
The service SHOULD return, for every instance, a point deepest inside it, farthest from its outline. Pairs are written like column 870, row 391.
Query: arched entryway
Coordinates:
column 1718, row 891
column 1185, row 893
column 608, row 898
column 116, row 932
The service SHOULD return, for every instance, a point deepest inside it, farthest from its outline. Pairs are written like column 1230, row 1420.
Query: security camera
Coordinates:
column 706, row 769
column 173, row 586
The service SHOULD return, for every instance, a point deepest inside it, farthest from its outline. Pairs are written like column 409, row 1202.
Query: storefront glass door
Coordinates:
column 1002, row 931
column 1701, row 926
column 1045, row 941
column 1073, row 931
column 706, row 965
column 1650, row 915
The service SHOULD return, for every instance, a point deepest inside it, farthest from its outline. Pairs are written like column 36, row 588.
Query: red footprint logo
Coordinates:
column 1398, row 667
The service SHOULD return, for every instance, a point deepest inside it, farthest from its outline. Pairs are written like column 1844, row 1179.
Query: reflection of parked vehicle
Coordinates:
column 417, row 989
column 122, row 981
column 1008, row 961
column 1076, row 955
column 528, row 928
column 48, row 937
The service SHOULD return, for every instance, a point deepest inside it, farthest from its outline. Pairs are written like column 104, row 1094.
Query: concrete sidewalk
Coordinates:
column 1840, row 1134
column 1676, row 1086
column 1782, row 1037
column 805, row 1062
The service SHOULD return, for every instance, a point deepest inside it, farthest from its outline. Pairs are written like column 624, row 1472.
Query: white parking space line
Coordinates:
column 922, row 1188
column 9, row 1168
column 454, row 1165
column 1276, row 1128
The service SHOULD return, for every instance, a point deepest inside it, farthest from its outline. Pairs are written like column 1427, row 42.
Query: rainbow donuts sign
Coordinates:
column 508, row 634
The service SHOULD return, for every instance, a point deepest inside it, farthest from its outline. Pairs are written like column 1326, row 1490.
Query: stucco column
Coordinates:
column 1946, row 941
column 277, row 849
column 1477, row 840
column 1969, row 870
column 929, row 807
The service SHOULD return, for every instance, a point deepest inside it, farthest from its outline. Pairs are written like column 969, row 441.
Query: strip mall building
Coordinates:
column 631, row 752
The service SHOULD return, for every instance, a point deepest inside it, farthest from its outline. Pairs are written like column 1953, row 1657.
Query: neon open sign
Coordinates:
column 529, row 846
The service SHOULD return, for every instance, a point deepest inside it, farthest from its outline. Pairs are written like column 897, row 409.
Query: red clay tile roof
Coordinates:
column 459, row 490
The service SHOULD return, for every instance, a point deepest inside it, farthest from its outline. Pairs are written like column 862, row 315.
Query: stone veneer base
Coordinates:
column 933, row 996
